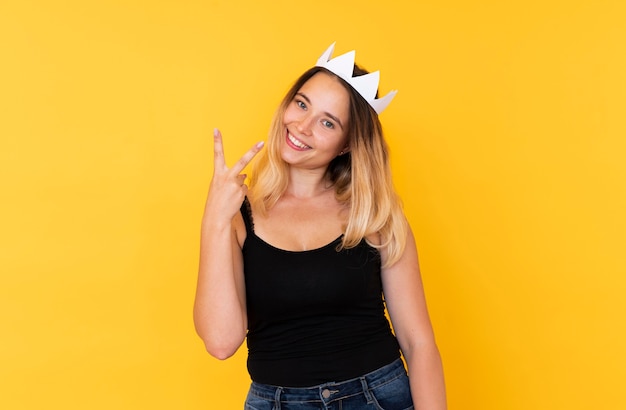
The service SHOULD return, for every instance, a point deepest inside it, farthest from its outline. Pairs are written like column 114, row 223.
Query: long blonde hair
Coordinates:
column 361, row 177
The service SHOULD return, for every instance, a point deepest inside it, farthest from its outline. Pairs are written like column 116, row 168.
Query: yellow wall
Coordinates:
column 507, row 138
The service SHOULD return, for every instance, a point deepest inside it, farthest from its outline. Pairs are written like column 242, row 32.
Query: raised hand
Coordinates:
column 227, row 190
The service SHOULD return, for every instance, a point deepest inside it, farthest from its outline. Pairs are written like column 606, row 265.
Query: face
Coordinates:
column 316, row 123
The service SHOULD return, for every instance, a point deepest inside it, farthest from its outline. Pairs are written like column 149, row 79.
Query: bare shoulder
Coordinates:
column 239, row 229
column 408, row 262
column 374, row 239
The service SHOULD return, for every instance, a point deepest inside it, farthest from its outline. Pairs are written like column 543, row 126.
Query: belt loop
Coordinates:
column 279, row 391
column 366, row 390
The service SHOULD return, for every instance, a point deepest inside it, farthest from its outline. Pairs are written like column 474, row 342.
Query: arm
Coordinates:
column 404, row 296
column 220, row 307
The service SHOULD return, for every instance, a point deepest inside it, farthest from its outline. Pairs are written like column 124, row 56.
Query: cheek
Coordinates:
column 345, row 141
column 336, row 145
column 290, row 114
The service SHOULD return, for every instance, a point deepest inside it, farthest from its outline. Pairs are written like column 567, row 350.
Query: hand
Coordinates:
column 227, row 190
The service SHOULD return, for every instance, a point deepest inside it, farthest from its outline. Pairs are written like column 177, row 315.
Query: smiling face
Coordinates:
column 316, row 123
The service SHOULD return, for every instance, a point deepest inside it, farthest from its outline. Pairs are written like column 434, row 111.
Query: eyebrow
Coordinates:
column 332, row 117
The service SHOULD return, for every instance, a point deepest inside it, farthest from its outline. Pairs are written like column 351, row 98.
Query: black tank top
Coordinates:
column 314, row 316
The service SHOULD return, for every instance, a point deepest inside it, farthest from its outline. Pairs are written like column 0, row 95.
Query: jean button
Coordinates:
column 325, row 393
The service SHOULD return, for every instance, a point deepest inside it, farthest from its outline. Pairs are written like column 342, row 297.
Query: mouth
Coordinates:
column 296, row 143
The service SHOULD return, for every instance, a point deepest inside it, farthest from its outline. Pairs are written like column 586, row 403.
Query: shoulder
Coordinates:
column 374, row 239
column 239, row 228
column 399, row 251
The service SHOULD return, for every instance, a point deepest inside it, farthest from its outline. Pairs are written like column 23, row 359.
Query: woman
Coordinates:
column 299, row 263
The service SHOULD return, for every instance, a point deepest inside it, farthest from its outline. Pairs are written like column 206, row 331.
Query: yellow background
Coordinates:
column 507, row 139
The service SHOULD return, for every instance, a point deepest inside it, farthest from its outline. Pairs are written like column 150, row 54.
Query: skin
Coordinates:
column 316, row 124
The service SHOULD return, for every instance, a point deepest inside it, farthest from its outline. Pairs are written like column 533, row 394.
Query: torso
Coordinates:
column 315, row 312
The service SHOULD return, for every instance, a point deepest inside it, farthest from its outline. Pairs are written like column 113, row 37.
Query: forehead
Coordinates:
column 327, row 93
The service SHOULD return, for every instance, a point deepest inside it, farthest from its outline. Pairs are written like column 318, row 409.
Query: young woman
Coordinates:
column 304, row 262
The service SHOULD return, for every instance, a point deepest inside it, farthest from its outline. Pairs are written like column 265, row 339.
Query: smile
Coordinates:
column 296, row 142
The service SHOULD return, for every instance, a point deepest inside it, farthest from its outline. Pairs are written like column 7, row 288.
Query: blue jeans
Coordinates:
column 384, row 389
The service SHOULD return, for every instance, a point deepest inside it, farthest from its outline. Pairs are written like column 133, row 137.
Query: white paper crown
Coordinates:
column 366, row 85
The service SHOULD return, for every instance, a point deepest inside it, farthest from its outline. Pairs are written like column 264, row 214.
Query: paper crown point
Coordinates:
column 366, row 85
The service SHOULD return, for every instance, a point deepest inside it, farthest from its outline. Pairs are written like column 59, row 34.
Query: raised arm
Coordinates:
column 220, row 304
column 404, row 296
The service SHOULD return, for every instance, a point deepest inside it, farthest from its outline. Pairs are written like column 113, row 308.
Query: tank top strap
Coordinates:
column 246, row 213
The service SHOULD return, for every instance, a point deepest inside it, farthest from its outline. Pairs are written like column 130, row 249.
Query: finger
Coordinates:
column 247, row 157
column 218, row 150
column 241, row 178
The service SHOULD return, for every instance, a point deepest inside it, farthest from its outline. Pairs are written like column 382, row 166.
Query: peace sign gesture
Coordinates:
column 227, row 189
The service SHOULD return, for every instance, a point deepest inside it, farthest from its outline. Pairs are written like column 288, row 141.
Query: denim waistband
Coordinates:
column 328, row 392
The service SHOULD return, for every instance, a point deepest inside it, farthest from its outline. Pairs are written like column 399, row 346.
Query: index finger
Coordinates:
column 247, row 157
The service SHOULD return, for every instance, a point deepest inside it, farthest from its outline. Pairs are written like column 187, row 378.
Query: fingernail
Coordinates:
column 215, row 132
column 259, row 145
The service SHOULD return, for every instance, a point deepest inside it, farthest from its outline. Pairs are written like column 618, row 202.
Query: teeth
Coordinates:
column 297, row 142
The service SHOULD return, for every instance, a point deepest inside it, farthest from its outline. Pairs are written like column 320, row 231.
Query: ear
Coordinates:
column 345, row 150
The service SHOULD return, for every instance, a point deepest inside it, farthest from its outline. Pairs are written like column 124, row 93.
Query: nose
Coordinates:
column 305, row 124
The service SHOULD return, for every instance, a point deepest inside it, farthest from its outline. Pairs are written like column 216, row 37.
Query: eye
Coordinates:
column 301, row 104
column 328, row 124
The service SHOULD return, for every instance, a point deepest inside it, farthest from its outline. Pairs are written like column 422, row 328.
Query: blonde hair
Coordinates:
column 361, row 177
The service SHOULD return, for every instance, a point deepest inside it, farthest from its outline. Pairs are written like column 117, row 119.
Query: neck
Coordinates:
column 307, row 184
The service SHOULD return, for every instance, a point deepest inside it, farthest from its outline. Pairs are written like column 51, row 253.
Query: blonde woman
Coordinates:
column 304, row 262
